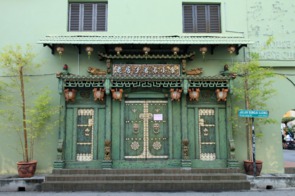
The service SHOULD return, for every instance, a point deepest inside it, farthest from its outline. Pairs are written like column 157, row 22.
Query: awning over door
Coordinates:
column 170, row 40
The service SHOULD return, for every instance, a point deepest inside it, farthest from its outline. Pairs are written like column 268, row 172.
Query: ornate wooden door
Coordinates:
column 146, row 129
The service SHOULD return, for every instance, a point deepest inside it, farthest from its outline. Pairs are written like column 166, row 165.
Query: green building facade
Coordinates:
column 142, row 83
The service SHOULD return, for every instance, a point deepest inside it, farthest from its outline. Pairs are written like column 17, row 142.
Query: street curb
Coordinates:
column 15, row 184
column 272, row 181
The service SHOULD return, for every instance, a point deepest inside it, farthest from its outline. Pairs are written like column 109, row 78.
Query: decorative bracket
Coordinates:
column 185, row 86
column 212, row 48
column 78, row 47
column 50, row 46
column 107, row 86
column 239, row 47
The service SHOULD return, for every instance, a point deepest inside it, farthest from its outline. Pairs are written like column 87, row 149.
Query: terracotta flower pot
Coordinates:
column 248, row 165
column 26, row 169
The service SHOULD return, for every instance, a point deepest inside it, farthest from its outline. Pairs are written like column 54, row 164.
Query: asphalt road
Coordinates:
column 289, row 192
column 289, row 155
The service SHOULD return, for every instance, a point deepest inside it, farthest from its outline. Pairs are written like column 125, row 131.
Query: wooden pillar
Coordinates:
column 59, row 163
column 185, row 162
column 107, row 162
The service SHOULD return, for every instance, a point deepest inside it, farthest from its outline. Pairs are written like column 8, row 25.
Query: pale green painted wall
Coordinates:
column 28, row 21
column 274, row 18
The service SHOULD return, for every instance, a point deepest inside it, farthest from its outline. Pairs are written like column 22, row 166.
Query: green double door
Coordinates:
column 146, row 134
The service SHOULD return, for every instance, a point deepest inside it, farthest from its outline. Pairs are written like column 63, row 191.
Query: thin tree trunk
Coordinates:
column 249, row 130
column 22, row 89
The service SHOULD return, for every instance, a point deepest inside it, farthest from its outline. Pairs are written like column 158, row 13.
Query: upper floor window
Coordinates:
column 87, row 17
column 201, row 18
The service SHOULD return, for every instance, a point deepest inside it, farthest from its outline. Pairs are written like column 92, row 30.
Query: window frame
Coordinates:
column 97, row 11
column 191, row 21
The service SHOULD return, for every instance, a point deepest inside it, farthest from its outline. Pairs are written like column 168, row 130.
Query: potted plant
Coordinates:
column 251, row 89
column 27, row 116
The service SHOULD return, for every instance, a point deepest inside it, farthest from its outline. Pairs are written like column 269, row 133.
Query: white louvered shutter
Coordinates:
column 201, row 19
column 188, row 19
column 88, row 17
column 101, row 17
column 214, row 18
column 74, row 17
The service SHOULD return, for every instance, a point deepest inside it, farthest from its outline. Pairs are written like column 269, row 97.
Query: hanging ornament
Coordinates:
column 203, row 50
column 175, row 50
column 89, row 50
column 60, row 50
column 118, row 49
column 146, row 50
column 231, row 49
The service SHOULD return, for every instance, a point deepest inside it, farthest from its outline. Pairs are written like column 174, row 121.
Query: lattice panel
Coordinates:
column 145, row 84
column 208, row 84
column 84, row 84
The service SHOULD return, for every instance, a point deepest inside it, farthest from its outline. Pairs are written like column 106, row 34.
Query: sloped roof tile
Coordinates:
column 106, row 39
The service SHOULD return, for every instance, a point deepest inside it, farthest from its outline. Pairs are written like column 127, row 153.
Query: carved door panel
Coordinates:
column 134, row 144
column 84, row 144
column 146, row 130
column 207, row 134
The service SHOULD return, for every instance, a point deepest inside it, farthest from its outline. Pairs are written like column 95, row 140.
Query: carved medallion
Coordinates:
column 157, row 145
column 134, row 145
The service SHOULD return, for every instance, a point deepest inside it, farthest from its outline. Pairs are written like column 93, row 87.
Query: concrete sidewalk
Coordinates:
column 272, row 181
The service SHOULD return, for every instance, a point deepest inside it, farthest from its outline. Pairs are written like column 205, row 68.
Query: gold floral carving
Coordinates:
column 194, row 94
column 98, row 94
column 221, row 94
column 175, row 94
column 70, row 95
column 117, row 94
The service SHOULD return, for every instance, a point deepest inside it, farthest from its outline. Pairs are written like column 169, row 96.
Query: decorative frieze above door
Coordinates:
column 146, row 129
column 135, row 70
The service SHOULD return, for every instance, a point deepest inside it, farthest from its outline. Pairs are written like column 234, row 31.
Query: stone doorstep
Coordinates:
column 144, row 171
column 146, row 186
column 14, row 184
column 146, row 180
column 146, row 177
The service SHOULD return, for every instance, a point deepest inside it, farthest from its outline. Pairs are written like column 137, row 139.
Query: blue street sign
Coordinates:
column 253, row 113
